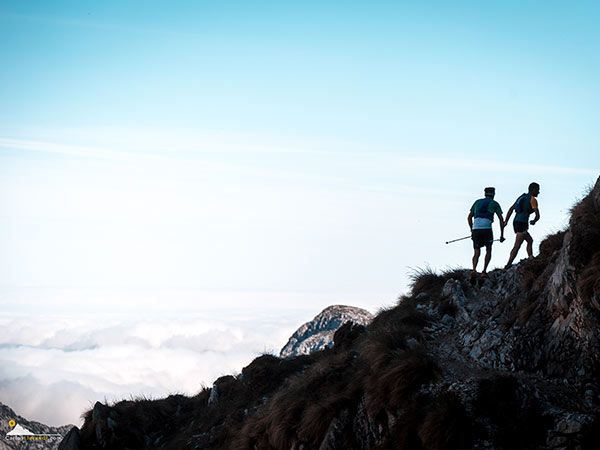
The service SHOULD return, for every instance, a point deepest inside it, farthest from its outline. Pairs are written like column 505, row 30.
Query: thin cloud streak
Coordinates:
column 402, row 162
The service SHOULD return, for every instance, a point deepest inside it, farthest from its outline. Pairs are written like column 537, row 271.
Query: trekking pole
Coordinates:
column 459, row 239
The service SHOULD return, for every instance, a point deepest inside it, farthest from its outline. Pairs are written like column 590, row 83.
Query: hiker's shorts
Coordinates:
column 520, row 227
column 482, row 237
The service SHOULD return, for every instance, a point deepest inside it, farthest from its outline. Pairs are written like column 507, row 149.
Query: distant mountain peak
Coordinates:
column 318, row 333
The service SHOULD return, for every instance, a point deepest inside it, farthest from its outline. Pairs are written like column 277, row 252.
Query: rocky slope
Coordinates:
column 318, row 333
column 52, row 442
column 511, row 363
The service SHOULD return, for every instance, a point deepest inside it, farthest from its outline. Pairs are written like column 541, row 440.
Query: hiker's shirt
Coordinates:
column 483, row 211
column 523, row 213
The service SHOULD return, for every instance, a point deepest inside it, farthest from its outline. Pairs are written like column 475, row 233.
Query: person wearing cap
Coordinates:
column 480, row 219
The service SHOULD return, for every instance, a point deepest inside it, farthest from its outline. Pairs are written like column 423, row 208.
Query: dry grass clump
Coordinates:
column 551, row 244
column 585, row 247
column 395, row 362
column 532, row 269
column 137, row 424
column 264, row 373
column 456, row 273
column 259, row 380
column 425, row 281
column 346, row 335
column 585, row 227
column 386, row 364
column 389, row 385
column 140, row 423
column 302, row 410
column 403, row 319
column 431, row 423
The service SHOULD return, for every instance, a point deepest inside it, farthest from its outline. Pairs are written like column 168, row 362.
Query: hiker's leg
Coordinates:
column 476, row 253
column 513, row 253
column 488, row 257
column 529, row 240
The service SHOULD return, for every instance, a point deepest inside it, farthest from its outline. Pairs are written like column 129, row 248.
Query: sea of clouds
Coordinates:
column 53, row 368
column 58, row 359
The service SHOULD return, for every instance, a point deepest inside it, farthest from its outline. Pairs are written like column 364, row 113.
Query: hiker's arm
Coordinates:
column 501, row 219
column 509, row 213
column 470, row 220
column 537, row 216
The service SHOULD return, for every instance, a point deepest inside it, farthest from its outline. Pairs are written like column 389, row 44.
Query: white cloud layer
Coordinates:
column 54, row 368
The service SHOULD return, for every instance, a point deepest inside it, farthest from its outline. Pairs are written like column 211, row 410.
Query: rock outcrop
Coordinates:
column 318, row 333
column 29, row 434
column 512, row 362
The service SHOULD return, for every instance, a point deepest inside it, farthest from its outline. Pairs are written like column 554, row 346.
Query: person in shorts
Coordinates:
column 523, row 207
column 480, row 219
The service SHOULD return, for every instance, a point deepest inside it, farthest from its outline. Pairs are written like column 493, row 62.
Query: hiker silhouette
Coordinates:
column 525, row 205
column 480, row 219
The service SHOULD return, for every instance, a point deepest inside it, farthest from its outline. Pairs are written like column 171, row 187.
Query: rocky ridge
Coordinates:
column 512, row 362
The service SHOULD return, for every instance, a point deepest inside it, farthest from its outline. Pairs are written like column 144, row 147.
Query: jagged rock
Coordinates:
column 220, row 384
column 454, row 292
column 318, row 333
column 214, row 395
column 72, row 441
column 215, row 390
column 99, row 417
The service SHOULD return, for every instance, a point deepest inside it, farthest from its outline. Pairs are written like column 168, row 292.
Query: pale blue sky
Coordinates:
column 319, row 147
